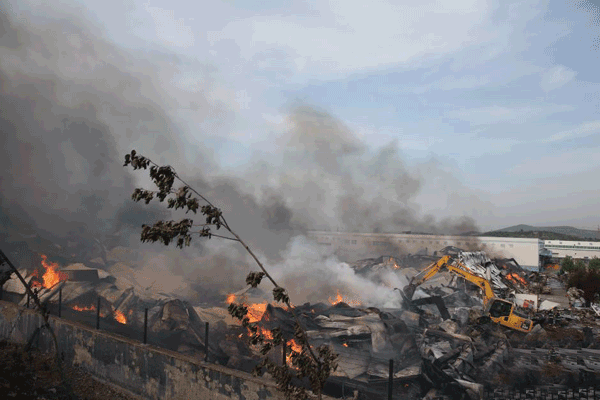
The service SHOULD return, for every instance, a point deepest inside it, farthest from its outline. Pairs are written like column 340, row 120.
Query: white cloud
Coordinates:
column 556, row 77
column 451, row 82
column 490, row 146
column 496, row 114
column 557, row 165
column 276, row 120
column 582, row 130
column 353, row 35
column 376, row 137
column 242, row 99
column 171, row 31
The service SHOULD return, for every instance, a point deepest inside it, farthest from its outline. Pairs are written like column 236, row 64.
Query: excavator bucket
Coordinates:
column 409, row 291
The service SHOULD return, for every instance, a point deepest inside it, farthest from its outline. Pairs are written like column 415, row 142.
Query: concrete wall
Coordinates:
column 141, row 369
column 353, row 246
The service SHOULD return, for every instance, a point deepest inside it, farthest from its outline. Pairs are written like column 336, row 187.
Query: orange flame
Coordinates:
column 339, row 298
column 120, row 317
column 255, row 311
column 516, row 278
column 89, row 308
column 266, row 333
column 345, row 344
column 291, row 344
column 52, row 276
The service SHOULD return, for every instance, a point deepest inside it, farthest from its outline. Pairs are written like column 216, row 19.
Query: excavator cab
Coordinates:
column 500, row 308
column 504, row 313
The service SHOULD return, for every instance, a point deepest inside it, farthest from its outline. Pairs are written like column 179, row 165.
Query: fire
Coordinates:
column 120, row 317
column 255, row 311
column 266, row 333
column 339, row 298
column 52, row 276
column 89, row 308
column 345, row 344
column 516, row 278
column 291, row 344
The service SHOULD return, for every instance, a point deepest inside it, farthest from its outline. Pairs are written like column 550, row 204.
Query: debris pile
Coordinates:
column 445, row 339
column 443, row 345
column 87, row 294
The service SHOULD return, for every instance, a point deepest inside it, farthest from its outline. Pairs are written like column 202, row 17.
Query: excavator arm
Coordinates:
column 499, row 310
column 431, row 270
column 482, row 283
column 456, row 268
column 425, row 275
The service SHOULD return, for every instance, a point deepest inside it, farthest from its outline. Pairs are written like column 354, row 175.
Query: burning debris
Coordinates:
column 51, row 276
column 441, row 340
column 341, row 299
column 255, row 310
column 87, row 293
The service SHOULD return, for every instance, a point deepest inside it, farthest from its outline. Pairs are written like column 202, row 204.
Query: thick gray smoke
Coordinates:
column 334, row 181
column 63, row 105
column 73, row 103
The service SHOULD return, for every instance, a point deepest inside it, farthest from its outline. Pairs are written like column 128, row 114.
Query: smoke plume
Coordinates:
column 74, row 103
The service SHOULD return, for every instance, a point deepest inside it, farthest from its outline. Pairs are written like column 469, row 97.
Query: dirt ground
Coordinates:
column 33, row 375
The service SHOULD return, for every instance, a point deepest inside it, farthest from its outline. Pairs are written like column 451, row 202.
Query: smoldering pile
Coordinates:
column 437, row 341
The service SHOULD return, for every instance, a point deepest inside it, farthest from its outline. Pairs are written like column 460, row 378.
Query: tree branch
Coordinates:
column 164, row 178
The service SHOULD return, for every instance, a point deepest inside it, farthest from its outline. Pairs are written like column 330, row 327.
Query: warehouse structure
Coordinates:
column 575, row 249
column 354, row 246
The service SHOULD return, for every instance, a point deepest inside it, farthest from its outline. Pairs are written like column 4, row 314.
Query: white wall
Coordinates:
column 564, row 248
column 353, row 246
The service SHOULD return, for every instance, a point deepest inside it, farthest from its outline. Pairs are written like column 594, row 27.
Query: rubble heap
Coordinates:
column 439, row 344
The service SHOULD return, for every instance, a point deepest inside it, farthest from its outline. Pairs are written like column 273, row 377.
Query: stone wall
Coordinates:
column 143, row 370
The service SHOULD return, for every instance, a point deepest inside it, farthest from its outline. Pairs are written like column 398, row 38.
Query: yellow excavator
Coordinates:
column 498, row 310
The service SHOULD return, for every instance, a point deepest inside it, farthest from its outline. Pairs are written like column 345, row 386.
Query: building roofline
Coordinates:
column 432, row 237
column 573, row 242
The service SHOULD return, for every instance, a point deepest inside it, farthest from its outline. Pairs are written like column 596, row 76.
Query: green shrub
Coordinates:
column 567, row 264
column 594, row 263
column 587, row 280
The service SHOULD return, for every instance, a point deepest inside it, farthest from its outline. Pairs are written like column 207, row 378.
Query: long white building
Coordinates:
column 354, row 246
column 580, row 249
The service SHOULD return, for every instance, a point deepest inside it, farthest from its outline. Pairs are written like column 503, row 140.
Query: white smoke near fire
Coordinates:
column 311, row 274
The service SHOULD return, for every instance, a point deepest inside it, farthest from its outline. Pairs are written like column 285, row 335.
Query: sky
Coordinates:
column 492, row 106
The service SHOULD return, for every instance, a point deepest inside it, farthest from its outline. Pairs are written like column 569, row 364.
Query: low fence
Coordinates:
column 588, row 393
column 143, row 370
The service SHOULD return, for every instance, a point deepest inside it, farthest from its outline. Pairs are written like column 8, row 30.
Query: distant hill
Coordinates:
column 546, row 232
